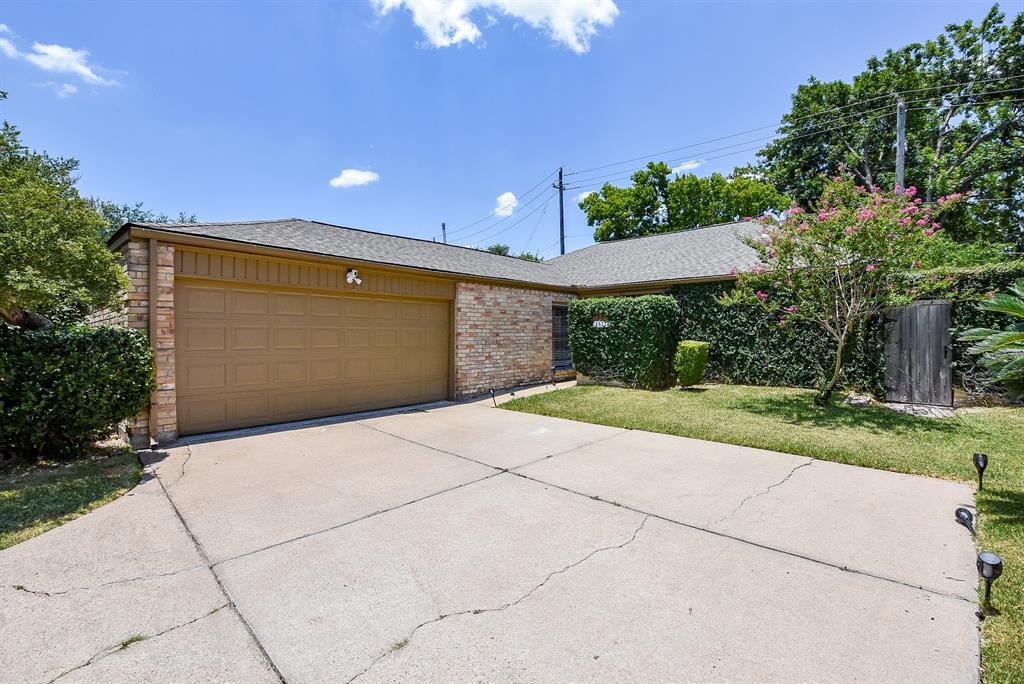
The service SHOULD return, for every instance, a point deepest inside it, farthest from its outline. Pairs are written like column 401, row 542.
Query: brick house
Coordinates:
column 264, row 322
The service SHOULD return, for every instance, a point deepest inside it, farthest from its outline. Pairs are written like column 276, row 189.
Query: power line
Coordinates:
column 537, row 224
column 513, row 225
column 539, row 183
column 621, row 175
column 515, row 212
column 800, row 118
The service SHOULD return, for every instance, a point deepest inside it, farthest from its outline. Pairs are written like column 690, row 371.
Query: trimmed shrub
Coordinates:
column 625, row 339
column 691, row 359
column 64, row 388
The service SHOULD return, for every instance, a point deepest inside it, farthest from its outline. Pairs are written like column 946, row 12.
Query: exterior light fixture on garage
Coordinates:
column 352, row 277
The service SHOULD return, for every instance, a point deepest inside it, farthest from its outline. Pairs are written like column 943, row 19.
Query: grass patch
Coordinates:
column 785, row 419
column 36, row 498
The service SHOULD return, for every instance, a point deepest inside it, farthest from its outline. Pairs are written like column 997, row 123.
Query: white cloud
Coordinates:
column 56, row 59
column 688, row 166
column 62, row 90
column 350, row 178
column 447, row 22
column 507, row 203
column 582, row 196
column 7, row 47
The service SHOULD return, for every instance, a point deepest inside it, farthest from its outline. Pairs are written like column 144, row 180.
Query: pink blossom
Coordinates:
column 803, row 226
column 758, row 269
column 917, row 200
column 928, row 232
column 825, row 215
column 910, row 192
column 795, row 209
column 761, row 295
column 791, row 309
column 870, row 267
column 837, row 178
column 950, row 198
column 772, row 254
column 936, row 225
column 911, row 209
column 782, row 321
column 904, row 222
column 850, row 230
column 865, row 214
column 916, row 264
column 921, row 222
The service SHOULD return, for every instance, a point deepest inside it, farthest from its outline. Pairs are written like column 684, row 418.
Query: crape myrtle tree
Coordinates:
column 842, row 263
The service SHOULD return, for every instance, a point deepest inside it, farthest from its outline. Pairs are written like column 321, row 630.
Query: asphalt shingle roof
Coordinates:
column 699, row 253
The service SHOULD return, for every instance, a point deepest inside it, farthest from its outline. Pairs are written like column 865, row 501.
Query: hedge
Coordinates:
column 691, row 360
column 625, row 339
column 62, row 389
column 748, row 347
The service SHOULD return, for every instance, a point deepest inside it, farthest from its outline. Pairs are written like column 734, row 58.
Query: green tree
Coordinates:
column 504, row 250
column 965, row 127
column 659, row 203
column 116, row 215
column 51, row 261
column 1002, row 351
column 841, row 265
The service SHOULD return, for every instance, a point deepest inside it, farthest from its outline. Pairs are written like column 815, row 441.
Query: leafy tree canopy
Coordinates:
column 504, row 250
column 964, row 94
column 657, row 202
column 51, row 262
column 116, row 215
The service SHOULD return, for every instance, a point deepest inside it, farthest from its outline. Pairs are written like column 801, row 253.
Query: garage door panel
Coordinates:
column 250, row 356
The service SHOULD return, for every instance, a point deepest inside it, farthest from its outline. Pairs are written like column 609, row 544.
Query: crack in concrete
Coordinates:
column 181, row 473
column 741, row 540
column 132, row 640
column 127, row 580
column 402, row 643
column 763, row 493
column 220, row 585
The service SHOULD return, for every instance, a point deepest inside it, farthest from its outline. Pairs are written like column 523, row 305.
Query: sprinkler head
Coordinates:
column 965, row 518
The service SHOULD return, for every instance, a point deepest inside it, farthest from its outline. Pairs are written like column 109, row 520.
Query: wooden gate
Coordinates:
column 917, row 354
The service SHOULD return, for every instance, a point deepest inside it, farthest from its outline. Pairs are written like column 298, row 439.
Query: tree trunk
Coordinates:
column 26, row 319
column 825, row 395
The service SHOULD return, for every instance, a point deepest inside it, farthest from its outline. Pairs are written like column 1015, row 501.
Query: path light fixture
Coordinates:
column 965, row 518
column 990, row 567
column 980, row 462
column 493, row 399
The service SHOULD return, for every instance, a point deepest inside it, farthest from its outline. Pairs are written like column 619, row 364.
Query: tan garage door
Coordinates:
column 258, row 355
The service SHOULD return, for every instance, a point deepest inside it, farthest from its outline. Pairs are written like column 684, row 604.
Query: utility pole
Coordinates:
column 444, row 234
column 901, row 140
column 560, row 186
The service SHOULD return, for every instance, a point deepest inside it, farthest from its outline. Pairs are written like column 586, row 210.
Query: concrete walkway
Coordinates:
column 464, row 542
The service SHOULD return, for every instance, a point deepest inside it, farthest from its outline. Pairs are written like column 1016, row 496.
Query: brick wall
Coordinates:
column 134, row 313
column 502, row 336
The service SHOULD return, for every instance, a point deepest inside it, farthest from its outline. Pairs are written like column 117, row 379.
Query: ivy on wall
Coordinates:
column 625, row 339
column 747, row 347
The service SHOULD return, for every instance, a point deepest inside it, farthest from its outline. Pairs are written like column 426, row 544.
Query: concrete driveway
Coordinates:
column 467, row 543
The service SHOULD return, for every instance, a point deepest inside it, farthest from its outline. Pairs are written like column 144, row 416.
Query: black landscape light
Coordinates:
column 965, row 518
column 990, row 567
column 493, row 399
column 980, row 462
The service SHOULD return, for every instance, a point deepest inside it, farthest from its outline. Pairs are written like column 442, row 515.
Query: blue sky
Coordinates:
column 240, row 110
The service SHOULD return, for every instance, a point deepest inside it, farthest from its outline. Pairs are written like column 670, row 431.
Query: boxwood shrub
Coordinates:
column 691, row 359
column 61, row 389
column 625, row 339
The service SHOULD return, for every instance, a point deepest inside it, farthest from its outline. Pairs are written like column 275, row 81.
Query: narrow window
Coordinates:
column 560, row 356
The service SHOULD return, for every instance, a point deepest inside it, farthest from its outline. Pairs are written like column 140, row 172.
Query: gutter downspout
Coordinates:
column 152, row 299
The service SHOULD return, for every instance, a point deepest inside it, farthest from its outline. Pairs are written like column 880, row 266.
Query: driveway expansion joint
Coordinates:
column 427, row 446
column 220, row 585
column 400, row 644
column 741, row 540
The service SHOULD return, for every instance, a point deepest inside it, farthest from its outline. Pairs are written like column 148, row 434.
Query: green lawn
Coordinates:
column 785, row 419
column 37, row 498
